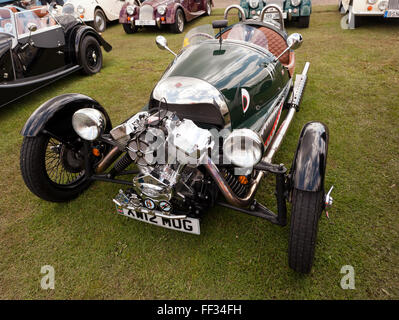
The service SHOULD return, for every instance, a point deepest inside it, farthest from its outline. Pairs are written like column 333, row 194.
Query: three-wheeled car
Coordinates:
column 38, row 47
column 207, row 137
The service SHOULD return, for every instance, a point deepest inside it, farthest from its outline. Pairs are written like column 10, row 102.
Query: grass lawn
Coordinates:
column 353, row 87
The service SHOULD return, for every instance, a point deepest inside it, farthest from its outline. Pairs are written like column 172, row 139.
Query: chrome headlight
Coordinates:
column 253, row 3
column 80, row 9
column 161, row 10
column 88, row 123
column 383, row 5
column 130, row 10
column 68, row 8
column 295, row 3
column 243, row 147
column 371, row 1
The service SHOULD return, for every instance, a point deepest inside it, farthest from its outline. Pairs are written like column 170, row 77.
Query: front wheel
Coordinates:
column 178, row 26
column 100, row 21
column 303, row 22
column 306, row 210
column 51, row 169
column 91, row 56
column 129, row 28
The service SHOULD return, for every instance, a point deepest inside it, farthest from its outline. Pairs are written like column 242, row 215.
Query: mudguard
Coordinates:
column 57, row 113
column 309, row 164
column 84, row 31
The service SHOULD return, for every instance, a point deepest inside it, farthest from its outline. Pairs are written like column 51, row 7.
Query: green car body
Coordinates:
column 297, row 10
column 253, row 71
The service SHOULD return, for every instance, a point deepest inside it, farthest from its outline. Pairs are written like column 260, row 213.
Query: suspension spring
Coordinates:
column 122, row 164
column 238, row 188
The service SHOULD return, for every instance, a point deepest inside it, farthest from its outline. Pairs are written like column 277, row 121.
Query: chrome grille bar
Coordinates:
column 393, row 4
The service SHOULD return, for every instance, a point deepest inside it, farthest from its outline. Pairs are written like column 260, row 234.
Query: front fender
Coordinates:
column 309, row 164
column 171, row 12
column 84, row 31
column 60, row 110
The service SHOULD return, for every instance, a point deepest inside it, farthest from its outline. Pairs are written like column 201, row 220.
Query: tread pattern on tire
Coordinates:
column 35, row 176
column 306, row 210
column 86, row 69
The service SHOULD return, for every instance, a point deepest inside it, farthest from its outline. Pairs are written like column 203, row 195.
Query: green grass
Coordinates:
column 353, row 87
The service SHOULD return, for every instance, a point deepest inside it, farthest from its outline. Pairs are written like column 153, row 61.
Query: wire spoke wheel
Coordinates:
column 64, row 167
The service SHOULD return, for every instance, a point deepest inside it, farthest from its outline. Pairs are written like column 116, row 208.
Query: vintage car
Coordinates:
column 96, row 12
column 136, row 14
column 207, row 137
column 355, row 9
column 293, row 10
column 37, row 48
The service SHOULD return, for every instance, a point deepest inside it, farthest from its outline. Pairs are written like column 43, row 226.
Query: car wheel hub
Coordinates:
column 180, row 22
column 100, row 22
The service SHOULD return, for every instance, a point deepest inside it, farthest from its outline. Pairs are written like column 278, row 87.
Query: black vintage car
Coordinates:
column 39, row 46
column 207, row 137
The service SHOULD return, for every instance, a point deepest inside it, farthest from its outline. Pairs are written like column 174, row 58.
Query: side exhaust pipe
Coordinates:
column 224, row 187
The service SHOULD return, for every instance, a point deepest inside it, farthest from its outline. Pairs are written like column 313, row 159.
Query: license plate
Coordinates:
column 145, row 23
column 273, row 16
column 189, row 225
column 393, row 13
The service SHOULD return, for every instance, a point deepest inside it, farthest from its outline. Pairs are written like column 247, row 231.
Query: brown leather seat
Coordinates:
column 277, row 44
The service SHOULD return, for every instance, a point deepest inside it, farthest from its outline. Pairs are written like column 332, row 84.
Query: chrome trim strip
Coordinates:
column 235, row 6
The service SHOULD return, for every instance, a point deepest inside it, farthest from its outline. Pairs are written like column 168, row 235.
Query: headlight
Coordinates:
column 130, row 10
column 68, row 8
column 382, row 5
column 80, row 9
column 253, row 3
column 88, row 123
column 243, row 147
column 161, row 10
column 295, row 3
column 371, row 1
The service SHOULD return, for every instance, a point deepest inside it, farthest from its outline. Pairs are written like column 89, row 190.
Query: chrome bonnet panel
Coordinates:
column 186, row 90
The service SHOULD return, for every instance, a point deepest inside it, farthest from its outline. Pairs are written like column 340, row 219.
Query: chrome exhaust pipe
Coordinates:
column 213, row 170
column 108, row 160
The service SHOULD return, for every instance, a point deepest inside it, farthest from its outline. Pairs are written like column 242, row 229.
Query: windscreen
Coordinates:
column 6, row 21
column 40, row 17
column 246, row 33
column 198, row 35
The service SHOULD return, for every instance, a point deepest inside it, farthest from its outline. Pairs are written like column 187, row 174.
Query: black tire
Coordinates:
column 303, row 22
column 100, row 21
column 91, row 56
column 178, row 26
column 208, row 9
column 40, row 180
column 129, row 28
column 305, row 214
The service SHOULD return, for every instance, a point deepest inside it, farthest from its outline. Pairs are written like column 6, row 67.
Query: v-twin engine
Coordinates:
column 167, row 152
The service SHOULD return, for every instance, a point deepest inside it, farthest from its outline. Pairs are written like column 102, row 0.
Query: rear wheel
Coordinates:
column 52, row 170
column 100, row 21
column 178, row 26
column 129, row 28
column 306, row 210
column 303, row 22
column 90, row 55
